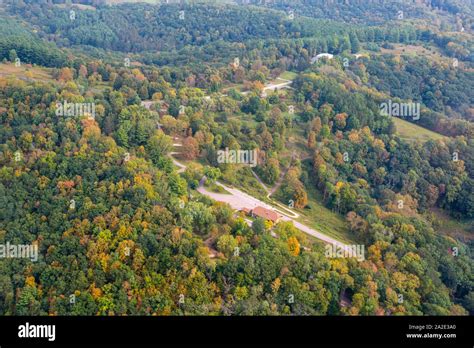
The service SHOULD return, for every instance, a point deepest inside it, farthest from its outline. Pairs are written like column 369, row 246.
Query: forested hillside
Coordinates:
column 121, row 230
column 371, row 11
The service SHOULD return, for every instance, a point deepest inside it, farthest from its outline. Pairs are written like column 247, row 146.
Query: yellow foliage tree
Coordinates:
column 293, row 246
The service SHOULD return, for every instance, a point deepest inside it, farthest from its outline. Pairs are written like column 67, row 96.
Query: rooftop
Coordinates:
column 265, row 213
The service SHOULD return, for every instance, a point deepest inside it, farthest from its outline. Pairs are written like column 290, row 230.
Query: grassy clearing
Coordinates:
column 25, row 72
column 411, row 132
column 238, row 87
column 216, row 188
column 246, row 182
column 317, row 216
column 459, row 229
column 431, row 52
column 297, row 141
column 288, row 75
column 247, row 119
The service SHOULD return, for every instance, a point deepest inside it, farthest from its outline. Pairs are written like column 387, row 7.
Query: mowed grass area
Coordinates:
column 322, row 219
column 25, row 72
column 246, row 182
column 430, row 52
column 216, row 188
column 288, row 75
column 296, row 139
column 411, row 132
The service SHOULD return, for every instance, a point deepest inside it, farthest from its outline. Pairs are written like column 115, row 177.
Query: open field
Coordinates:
column 25, row 72
column 245, row 181
column 317, row 216
column 411, row 132
column 288, row 75
column 216, row 188
column 415, row 51
column 459, row 229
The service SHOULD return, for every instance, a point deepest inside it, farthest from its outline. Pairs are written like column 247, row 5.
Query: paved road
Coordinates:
column 238, row 200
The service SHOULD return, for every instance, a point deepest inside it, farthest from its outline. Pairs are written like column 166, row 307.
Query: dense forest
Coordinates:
column 373, row 12
column 121, row 231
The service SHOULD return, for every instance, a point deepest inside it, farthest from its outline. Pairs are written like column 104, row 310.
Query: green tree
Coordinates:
column 159, row 145
column 212, row 174
column 258, row 226
column 355, row 44
column 12, row 56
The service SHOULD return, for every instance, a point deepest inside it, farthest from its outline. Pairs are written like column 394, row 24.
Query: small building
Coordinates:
column 266, row 214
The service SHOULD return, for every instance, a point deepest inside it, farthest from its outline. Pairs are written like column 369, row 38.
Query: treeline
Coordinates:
column 287, row 54
column 443, row 88
column 140, row 27
column 193, row 35
column 362, row 11
column 18, row 42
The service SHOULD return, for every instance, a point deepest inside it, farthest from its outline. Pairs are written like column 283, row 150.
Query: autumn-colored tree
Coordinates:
column 312, row 140
column 316, row 125
column 190, row 148
column 341, row 120
column 83, row 71
column 300, row 197
column 293, row 246
column 66, row 75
